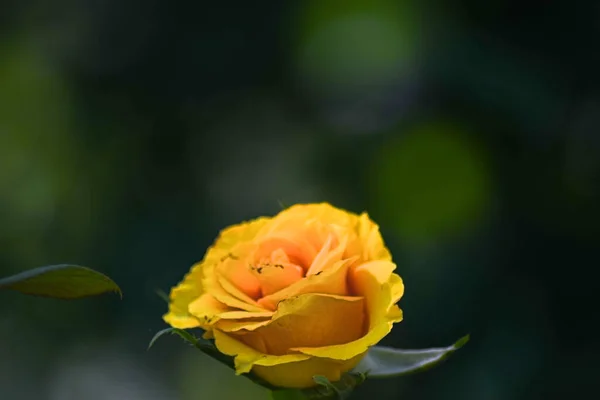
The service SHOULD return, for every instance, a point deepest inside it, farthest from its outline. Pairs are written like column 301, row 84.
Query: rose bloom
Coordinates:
column 304, row 293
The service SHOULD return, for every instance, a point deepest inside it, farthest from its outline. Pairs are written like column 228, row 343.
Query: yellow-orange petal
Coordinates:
column 240, row 233
column 224, row 256
column 309, row 320
column 212, row 285
column 300, row 374
column 358, row 347
column 330, row 281
column 373, row 281
column 191, row 287
column 369, row 235
column 181, row 296
column 207, row 309
column 274, row 277
column 397, row 287
column 322, row 212
column 366, row 241
column 289, row 371
column 296, row 247
column 246, row 357
column 232, row 295
column 308, row 223
column 239, row 273
column 245, row 314
column 327, row 256
column 250, row 324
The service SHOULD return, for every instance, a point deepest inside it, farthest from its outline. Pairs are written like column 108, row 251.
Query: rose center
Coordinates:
column 276, row 272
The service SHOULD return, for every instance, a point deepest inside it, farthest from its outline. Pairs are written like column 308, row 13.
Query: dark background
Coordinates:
column 131, row 132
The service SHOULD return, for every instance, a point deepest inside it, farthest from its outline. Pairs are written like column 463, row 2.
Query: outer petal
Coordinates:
column 289, row 371
column 299, row 214
column 244, row 232
column 250, row 324
column 299, row 374
column 373, row 281
column 370, row 237
column 367, row 242
column 190, row 288
column 246, row 357
column 397, row 287
column 181, row 296
column 309, row 320
column 206, row 309
column 358, row 347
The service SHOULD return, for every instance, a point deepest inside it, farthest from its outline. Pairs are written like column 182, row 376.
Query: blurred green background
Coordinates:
column 132, row 131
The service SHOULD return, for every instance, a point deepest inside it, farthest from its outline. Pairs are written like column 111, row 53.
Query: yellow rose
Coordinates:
column 304, row 293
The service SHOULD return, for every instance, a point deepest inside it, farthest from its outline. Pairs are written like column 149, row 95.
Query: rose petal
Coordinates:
column 373, row 281
column 207, row 309
column 290, row 370
column 275, row 277
column 240, row 233
column 229, row 294
column 213, row 285
column 358, row 347
column 372, row 242
column 239, row 273
column 330, row 281
column 246, row 357
column 180, row 298
column 323, row 212
column 294, row 244
column 227, row 325
column 190, row 288
column 326, row 256
column 309, row 320
column 300, row 374
column 366, row 241
column 245, row 314
column 397, row 287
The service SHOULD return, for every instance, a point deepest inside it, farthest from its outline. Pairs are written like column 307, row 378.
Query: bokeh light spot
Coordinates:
column 430, row 183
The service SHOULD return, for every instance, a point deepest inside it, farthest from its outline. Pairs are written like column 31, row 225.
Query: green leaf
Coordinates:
column 61, row 281
column 383, row 362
